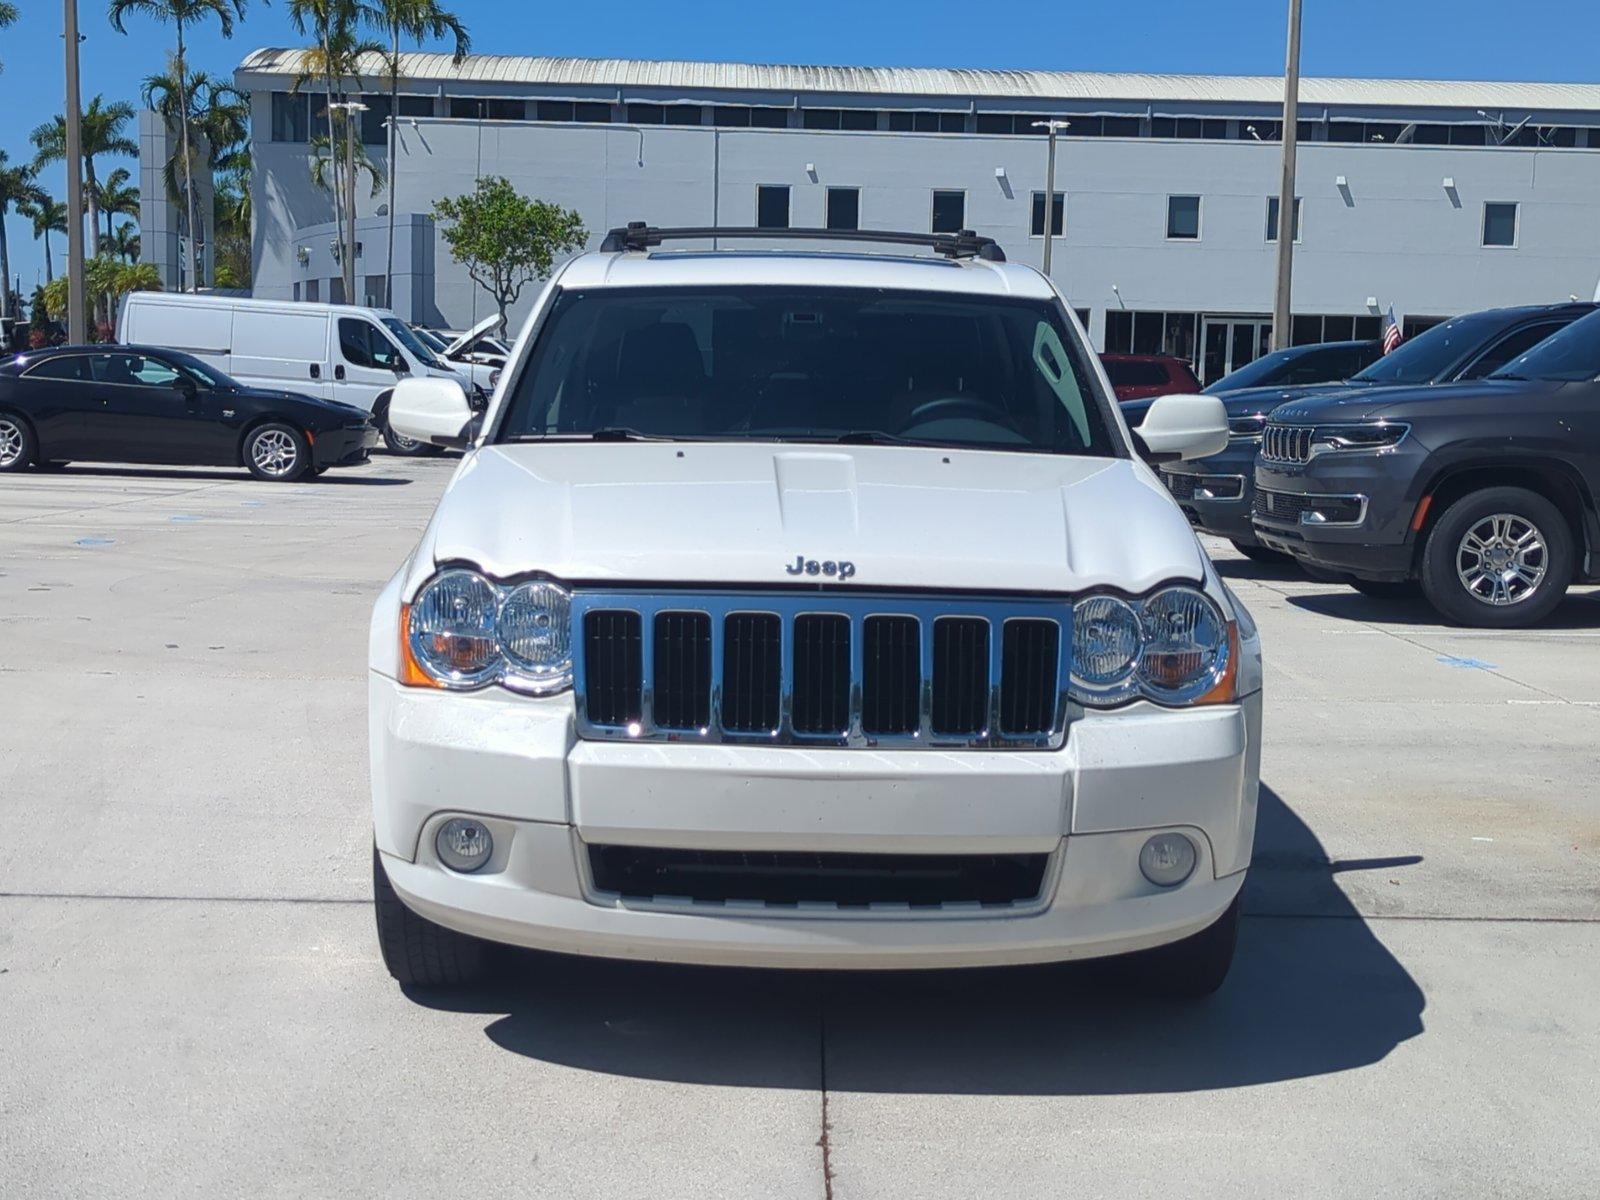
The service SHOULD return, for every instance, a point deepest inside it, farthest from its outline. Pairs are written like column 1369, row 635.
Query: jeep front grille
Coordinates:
column 817, row 669
column 1287, row 443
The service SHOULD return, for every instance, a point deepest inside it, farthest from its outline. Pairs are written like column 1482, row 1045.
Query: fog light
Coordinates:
column 1167, row 859
column 465, row 845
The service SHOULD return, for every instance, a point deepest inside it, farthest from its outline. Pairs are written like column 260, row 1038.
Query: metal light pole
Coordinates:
column 1053, row 127
column 1286, row 203
column 77, row 326
column 348, row 256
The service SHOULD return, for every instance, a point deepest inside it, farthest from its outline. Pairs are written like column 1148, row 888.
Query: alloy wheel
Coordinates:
column 274, row 452
column 10, row 442
column 1502, row 559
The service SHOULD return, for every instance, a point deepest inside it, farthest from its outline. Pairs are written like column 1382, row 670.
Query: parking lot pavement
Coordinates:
column 193, row 1003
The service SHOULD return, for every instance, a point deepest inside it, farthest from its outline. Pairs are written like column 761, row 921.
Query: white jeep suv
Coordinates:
column 806, row 609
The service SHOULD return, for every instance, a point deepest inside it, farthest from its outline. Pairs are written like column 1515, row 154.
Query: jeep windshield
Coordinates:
column 1426, row 357
column 792, row 364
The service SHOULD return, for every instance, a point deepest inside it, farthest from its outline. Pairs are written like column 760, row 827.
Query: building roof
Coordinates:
column 963, row 82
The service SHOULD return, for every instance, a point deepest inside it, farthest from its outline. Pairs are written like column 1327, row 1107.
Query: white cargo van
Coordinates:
column 333, row 351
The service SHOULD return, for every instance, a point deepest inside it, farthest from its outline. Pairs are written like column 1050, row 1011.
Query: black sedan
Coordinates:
column 1294, row 366
column 136, row 404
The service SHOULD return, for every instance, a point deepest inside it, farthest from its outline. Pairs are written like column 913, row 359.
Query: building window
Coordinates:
column 314, row 290
column 1499, row 224
column 297, row 289
column 466, row 108
column 375, row 121
column 291, row 117
column 375, row 292
column 839, row 118
column 1058, row 214
column 416, row 106
column 844, row 208
column 664, row 114
column 739, row 116
column 1272, row 218
column 336, row 290
column 1183, row 218
column 1188, row 127
column 949, row 212
column 586, row 111
column 928, row 122
column 1151, row 333
column 772, row 206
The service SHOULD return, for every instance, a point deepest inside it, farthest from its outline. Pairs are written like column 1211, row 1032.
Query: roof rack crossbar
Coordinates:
column 637, row 235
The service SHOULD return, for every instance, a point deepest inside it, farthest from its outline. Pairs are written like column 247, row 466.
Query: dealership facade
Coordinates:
column 1431, row 197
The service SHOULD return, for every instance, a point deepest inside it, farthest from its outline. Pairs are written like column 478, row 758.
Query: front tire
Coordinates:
column 17, row 443
column 276, row 452
column 1500, row 558
column 417, row 952
column 399, row 443
column 1195, row 967
column 1262, row 554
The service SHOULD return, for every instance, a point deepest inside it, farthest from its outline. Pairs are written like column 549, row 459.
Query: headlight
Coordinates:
column 464, row 631
column 1173, row 647
column 1246, row 429
column 1379, row 436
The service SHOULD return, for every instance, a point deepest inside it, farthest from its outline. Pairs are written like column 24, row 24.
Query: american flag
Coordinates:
column 1391, row 332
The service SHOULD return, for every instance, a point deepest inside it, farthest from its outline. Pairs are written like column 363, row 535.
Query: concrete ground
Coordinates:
column 191, row 1002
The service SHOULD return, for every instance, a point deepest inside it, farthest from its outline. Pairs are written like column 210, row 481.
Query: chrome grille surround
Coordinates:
column 1287, row 443
column 857, row 607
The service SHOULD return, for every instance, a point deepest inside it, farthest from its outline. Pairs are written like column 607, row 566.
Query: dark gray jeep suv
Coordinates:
column 1482, row 492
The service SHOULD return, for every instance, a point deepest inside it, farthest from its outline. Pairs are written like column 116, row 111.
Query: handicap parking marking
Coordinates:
column 1466, row 664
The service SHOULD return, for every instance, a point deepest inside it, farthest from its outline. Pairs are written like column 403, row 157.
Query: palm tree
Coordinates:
column 125, row 242
column 182, row 13
column 219, row 120
column 17, row 188
column 116, row 197
column 48, row 216
column 102, row 133
column 8, row 16
column 417, row 20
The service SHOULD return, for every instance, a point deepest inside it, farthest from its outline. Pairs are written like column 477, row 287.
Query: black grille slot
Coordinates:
column 891, row 674
column 790, row 877
column 613, row 663
column 821, row 673
column 751, row 659
column 960, row 675
column 1280, row 506
column 1181, row 486
column 1030, row 653
column 682, row 684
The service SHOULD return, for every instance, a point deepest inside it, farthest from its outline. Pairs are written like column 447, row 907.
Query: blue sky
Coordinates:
column 1442, row 39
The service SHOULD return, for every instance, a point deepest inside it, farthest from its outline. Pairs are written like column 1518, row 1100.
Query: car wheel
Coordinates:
column 1195, row 967
column 1386, row 589
column 1261, row 554
column 17, row 445
column 399, row 443
column 415, row 950
column 277, row 452
column 1500, row 558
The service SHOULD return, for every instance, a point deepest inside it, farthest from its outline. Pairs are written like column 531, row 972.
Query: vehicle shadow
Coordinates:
column 1580, row 610
column 335, row 476
column 1247, row 568
column 1312, row 991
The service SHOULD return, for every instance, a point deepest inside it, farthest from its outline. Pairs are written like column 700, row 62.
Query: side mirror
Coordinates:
column 433, row 410
column 1179, row 427
column 400, row 367
column 185, row 387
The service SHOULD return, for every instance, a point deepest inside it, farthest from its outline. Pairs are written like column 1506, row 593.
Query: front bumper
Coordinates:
column 1215, row 493
column 346, row 447
column 515, row 763
column 1371, row 497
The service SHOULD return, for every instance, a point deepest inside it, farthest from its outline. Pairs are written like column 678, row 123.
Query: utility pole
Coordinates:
column 77, row 326
column 1053, row 127
column 348, row 256
column 1286, row 201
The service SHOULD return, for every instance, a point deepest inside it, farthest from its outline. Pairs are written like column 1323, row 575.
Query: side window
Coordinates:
column 385, row 353
column 152, row 372
column 66, row 367
column 120, row 370
column 353, row 342
column 1515, row 343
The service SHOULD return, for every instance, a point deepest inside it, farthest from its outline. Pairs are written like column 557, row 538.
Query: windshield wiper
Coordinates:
column 606, row 433
column 1506, row 375
column 873, row 437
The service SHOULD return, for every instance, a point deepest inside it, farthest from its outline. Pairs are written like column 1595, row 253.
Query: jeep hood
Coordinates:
column 1426, row 399
column 728, row 514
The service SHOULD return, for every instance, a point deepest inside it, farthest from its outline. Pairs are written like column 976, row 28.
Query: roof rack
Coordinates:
column 965, row 244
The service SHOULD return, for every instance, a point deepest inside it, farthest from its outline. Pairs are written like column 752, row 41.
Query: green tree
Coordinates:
column 181, row 14
column 219, row 124
column 117, row 197
column 104, row 131
column 417, row 20
column 8, row 17
column 103, row 276
column 125, row 242
column 17, row 188
column 505, row 239
column 48, row 215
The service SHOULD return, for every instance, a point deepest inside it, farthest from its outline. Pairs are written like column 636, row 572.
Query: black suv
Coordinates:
column 1483, row 492
column 1215, row 493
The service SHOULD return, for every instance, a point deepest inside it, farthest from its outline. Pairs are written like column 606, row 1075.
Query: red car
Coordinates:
column 1141, row 376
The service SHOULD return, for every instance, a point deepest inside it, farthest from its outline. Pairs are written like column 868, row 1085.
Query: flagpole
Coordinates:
column 1286, row 203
